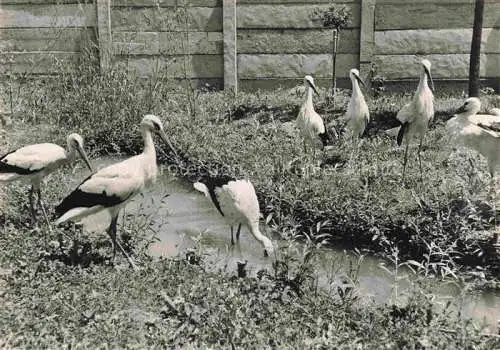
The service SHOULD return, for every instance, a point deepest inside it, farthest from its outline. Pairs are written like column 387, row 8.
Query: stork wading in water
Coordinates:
column 416, row 115
column 237, row 202
column 309, row 122
column 32, row 163
column 113, row 186
column 357, row 114
column 481, row 133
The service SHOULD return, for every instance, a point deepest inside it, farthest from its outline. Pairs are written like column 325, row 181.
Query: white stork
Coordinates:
column 237, row 202
column 309, row 122
column 32, row 163
column 416, row 115
column 481, row 133
column 357, row 113
column 113, row 186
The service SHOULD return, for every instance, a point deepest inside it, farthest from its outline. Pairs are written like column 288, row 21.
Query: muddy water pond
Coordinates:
column 185, row 220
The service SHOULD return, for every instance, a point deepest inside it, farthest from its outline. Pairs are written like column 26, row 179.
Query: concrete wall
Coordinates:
column 273, row 42
column 279, row 42
column 40, row 37
column 440, row 30
column 174, row 41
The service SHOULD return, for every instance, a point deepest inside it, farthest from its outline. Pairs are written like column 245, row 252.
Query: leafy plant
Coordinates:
column 336, row 17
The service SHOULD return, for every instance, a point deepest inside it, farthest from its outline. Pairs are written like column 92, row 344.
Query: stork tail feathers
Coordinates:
column 80, row 199
column 69, row 215
column 401, row 133
column 202, row 188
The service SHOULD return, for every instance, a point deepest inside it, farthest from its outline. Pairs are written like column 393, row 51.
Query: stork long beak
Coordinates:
column 430, row 78
column 82, row 154
column 360, row 80
column 313, row 87
column 165, row 139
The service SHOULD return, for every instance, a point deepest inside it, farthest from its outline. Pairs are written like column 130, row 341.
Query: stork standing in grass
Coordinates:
column 309, row 122
column 357, row 113
column 113, row 186
column 237, row 202
column 32, row 163
column 416, row 115
column 481, row 133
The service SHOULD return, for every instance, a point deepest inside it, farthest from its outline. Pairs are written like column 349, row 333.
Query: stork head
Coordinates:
column 309, row 83
column 426, row 66
column 354, row 75
column 75, row 144
column 471, row 106
column 154, row 125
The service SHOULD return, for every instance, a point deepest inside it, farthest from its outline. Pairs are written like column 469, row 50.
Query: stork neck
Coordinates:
column 309, row 97
column 149, row 146
column 356, row 90
column 465, row 114
column 70, row 154
column 422, row 85
column 266, row 242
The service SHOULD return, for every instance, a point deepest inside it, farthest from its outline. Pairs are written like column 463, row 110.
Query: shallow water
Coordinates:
column 185, row 219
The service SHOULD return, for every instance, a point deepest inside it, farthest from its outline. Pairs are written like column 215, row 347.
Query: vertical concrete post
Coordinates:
column 104, row 33
column 230, row 50
column 367, row 38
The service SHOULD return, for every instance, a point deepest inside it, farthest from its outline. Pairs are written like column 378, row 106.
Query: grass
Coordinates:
column 62, row 293
column 63, row 279
column 359, row 202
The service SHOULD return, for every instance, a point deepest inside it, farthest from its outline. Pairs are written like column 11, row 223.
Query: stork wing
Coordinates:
column 213, row 185
column 239, row 197
column 494, row 127
column 479, row 133
column 30, row 159
column 406, row 114
column 108, row 187
column 485, row 119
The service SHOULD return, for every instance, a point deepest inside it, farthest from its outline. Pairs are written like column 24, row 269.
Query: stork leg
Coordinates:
column 405, row 161
column 238, row 232
column 420, row 159
column 232, row 237
column 112, row 234
column 355, row 149
column 31, row 195
column 358, row 147
column 493, row 187
column 40, row 203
